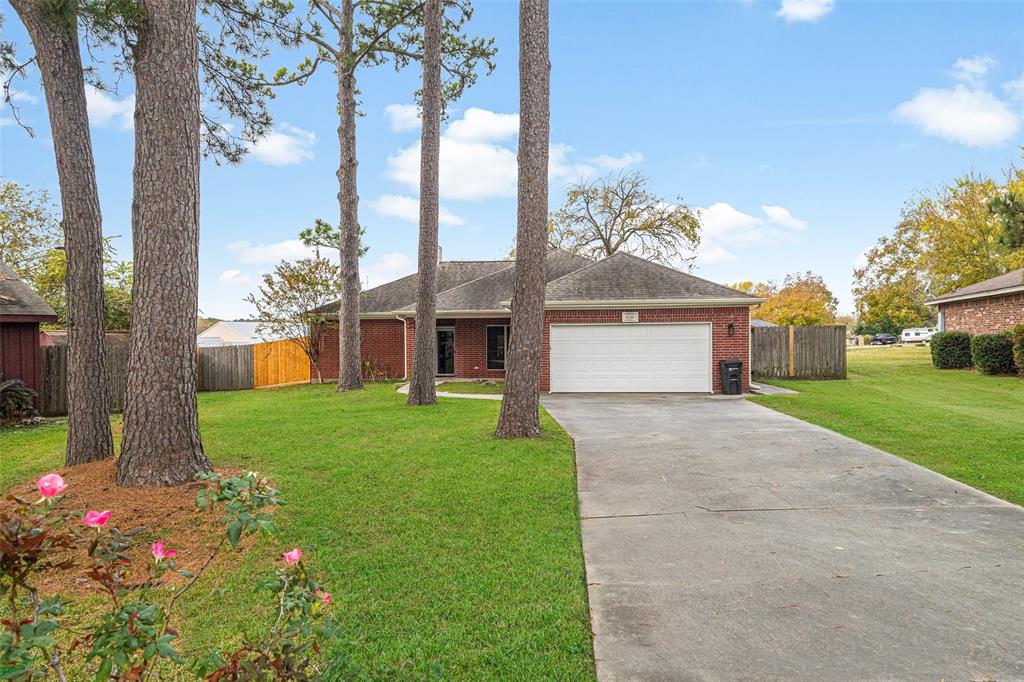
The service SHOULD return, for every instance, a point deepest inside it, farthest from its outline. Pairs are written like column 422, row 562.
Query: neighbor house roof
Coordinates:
column 761, row 323
column 1009, row 283
column 626, row 279
column 247, row 329
column 17, row 299
column 59, row 337
column 489, row 292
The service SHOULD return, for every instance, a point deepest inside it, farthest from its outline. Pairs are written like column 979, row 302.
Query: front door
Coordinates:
column 445, row 352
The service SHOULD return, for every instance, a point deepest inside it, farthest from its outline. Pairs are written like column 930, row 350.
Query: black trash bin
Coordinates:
column 732, row 372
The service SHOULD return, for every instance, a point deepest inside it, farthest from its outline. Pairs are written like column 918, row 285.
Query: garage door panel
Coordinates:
column 630, row 357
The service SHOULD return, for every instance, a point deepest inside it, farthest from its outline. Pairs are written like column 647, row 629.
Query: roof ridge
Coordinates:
column 577, row 271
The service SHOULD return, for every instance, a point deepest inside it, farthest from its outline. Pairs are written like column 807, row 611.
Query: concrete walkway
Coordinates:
column 726, row 541
column 404, row 389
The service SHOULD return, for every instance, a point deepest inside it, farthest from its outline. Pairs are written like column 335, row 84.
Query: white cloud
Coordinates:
column 966, row 115
column 403, row 116
column 778, row 215
column 1014, row 89
column 23, row 97
column 481, row 125
column 105, row 110
column 386, row 268
column 972, row 70
column 289, row 249
column 234, row 278
column 724, row 228
column 805, row 10
column 478, row 159
column 469, row 171
column 408, row 208
column 286, row 145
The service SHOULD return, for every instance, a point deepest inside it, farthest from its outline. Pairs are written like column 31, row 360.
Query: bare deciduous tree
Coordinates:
column 421, row 388
column 618, row 213
column 54, row 34
column 292, row 303
column 161, row 444
column 520, row 405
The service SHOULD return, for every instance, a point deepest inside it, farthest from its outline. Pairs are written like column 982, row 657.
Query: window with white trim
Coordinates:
column 497, row 346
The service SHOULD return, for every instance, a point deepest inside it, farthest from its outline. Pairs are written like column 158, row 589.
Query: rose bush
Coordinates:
column 134, row 634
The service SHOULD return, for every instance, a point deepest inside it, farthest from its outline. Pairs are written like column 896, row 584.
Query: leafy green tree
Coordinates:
column 50, row 282
column 29, row 228
column 292, row 301
column 619, row 213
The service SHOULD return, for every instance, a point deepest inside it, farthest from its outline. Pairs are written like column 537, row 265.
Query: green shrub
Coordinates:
column 951, row 350
column 993, row 353
column 1018, row 347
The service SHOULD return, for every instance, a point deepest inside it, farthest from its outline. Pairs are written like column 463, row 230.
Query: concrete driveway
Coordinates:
column 726, row 541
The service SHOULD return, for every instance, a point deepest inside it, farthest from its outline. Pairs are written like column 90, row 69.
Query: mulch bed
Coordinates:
column 166, row 514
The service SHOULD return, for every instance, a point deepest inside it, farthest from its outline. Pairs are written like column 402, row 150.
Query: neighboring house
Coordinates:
column 21, row 312
column 59, row 337
column 622, row 324
column 761, row 323
column 233, row 333
column 983, row 308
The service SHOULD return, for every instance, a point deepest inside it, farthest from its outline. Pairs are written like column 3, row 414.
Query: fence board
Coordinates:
column 224, row 368
column 54, row 391
column 277, row 363
column 816, row 352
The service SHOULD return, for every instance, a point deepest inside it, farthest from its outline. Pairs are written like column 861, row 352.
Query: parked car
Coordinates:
column 883, row 340
column 917, row 334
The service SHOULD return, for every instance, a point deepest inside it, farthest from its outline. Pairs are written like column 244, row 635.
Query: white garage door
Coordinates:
column 620, row 358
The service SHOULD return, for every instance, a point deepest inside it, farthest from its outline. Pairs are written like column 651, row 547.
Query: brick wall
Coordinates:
column 984, row 315
column 723, row 346
column 380, row 343
column 470, row 346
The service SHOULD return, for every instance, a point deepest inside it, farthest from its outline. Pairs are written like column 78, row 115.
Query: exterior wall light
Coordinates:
column 732, row 329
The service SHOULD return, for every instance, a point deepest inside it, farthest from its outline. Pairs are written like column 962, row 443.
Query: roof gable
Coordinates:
column 18, row 298
column 625, row 277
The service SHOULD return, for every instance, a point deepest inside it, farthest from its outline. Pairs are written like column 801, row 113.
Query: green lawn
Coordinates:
column 472, row 388
column 449, row 553
column 960, row 423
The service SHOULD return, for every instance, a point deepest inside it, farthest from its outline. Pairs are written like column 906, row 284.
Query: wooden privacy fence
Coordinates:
column 260, row 365
column 218, row 368
column 53, row 396
column 798, row 352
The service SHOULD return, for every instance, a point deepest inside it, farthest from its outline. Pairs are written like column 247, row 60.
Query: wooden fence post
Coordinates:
column 792, row 351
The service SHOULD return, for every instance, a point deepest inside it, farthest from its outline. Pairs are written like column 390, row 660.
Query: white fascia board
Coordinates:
column 662, row 303
column 981, row 294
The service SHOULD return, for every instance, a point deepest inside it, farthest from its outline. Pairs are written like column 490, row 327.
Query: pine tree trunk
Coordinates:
column 350, row 375
column 161, row 443
column 60, row 64
column 421, row 388
column 521, row 403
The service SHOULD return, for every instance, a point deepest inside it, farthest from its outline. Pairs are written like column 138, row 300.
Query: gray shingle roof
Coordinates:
column 1011, row 279
column 402, row 292
column 490, row 291
column 18, row 298
column 624, row 277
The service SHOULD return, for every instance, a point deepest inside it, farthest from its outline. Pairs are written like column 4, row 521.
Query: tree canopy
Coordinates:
column 29, row 228
column 802, row 299
column 619, row 213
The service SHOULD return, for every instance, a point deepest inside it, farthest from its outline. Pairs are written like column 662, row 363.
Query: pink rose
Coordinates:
column 293, row 556
column 325, row 597
column 159, row 553
column 95, row 519
column 51, row 485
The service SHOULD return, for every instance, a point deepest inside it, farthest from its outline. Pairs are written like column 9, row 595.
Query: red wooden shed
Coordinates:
column 21, row 312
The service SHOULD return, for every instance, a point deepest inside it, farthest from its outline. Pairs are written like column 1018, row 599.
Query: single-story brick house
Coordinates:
column 21, row 312
column 622, row 324
column 991, row 306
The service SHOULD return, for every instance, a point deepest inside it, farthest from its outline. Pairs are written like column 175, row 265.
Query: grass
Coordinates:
column 472, row 388
column 960, row 423
column 448, row 552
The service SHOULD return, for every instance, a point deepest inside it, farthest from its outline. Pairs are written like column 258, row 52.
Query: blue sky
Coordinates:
column 798, row 128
